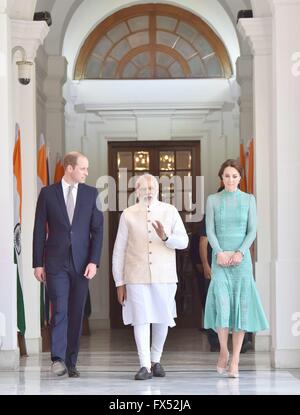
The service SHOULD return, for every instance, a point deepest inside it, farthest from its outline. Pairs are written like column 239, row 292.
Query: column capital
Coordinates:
column 56, row 77
column 57, row 69
column 28, row 34
column 258, row 32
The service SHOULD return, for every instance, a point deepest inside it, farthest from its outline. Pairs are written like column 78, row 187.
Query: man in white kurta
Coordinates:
column 144, row 270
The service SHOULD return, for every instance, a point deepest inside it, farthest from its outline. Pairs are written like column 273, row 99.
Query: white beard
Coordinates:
column 147, row 200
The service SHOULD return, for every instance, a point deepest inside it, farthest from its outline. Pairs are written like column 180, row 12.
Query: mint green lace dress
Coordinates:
column 232, row 300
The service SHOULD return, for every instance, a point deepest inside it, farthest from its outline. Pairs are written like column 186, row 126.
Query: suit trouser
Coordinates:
column 67, row 292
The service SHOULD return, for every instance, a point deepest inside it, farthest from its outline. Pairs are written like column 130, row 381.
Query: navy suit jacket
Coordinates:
column 84, row 236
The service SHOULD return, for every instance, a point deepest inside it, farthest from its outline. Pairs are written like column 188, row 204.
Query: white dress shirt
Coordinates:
column 65, row 187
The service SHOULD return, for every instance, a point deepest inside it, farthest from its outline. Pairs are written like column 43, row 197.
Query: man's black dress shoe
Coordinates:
column 158, row 370
column 143, row 374
column 58, row 367
column 73, row 372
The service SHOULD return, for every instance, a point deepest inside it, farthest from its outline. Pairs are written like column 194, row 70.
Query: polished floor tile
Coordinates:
column 108, row 362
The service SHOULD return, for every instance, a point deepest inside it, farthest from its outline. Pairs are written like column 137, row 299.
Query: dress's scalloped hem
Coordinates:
column 247, row 329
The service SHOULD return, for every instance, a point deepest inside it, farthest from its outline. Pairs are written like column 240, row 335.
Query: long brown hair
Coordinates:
column 230, row 163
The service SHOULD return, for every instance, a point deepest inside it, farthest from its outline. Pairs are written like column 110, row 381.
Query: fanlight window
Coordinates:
column 152, row 42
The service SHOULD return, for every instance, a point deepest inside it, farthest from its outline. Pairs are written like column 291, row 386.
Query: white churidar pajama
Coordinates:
column 142, row 340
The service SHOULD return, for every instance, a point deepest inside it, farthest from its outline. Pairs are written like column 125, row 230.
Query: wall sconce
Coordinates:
column 24, row 66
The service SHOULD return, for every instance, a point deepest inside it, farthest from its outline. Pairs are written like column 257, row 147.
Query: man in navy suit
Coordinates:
column 67, row 242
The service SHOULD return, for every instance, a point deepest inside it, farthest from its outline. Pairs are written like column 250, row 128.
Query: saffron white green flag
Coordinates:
column 42, row 180
column 17, row 229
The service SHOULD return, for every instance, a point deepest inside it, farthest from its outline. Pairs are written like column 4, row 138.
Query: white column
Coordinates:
column 9, row 352
column 30, row 36
column 245, row 79
column 286, row 173
column 258, row 32
column 55, row 106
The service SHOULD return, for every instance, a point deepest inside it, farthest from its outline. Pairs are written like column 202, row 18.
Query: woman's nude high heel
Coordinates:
column 222, row 370
column 233, row 375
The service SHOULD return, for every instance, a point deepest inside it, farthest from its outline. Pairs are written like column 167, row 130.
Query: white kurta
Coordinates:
column 150, row 303
column 147, row 303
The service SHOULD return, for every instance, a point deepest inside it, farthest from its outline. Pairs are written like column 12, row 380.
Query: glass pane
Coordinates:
column 120, row 49
column 183, row 159
column 141, row 160
column 145, row 73
column 186, row 179
column 176, row 70
column 161, row 73
column 124, row 160
column 92, row 69
column 166, row 181
column 129, row 71
column 166, row 160
column 167, row 23
column 124, row 180
column 186, row 31
column 138, row 39
column 163, row 59
column 165, row 38
column 138, row 23
column 213, row 66
column 103, row 47
column 202, row 46
column 142, row 59
column 109, row 69
column 196, row 67
column 184, row 48
column 118, row 32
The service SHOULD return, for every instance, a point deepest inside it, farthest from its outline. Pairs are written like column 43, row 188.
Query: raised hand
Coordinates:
column 159, row 229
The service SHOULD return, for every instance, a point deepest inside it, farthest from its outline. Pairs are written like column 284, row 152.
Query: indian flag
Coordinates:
column 251, row 167
column 59, row 169
column 42, row 164
column 17, row 229
column 42, row 180
column 243, row 184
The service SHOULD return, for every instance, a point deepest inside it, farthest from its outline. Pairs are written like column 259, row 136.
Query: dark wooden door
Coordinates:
column 127, row 161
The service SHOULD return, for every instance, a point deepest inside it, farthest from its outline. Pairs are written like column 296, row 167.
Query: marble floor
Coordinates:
column 108, row 362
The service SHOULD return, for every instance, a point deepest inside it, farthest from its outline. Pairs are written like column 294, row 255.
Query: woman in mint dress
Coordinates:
column 233, row 303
